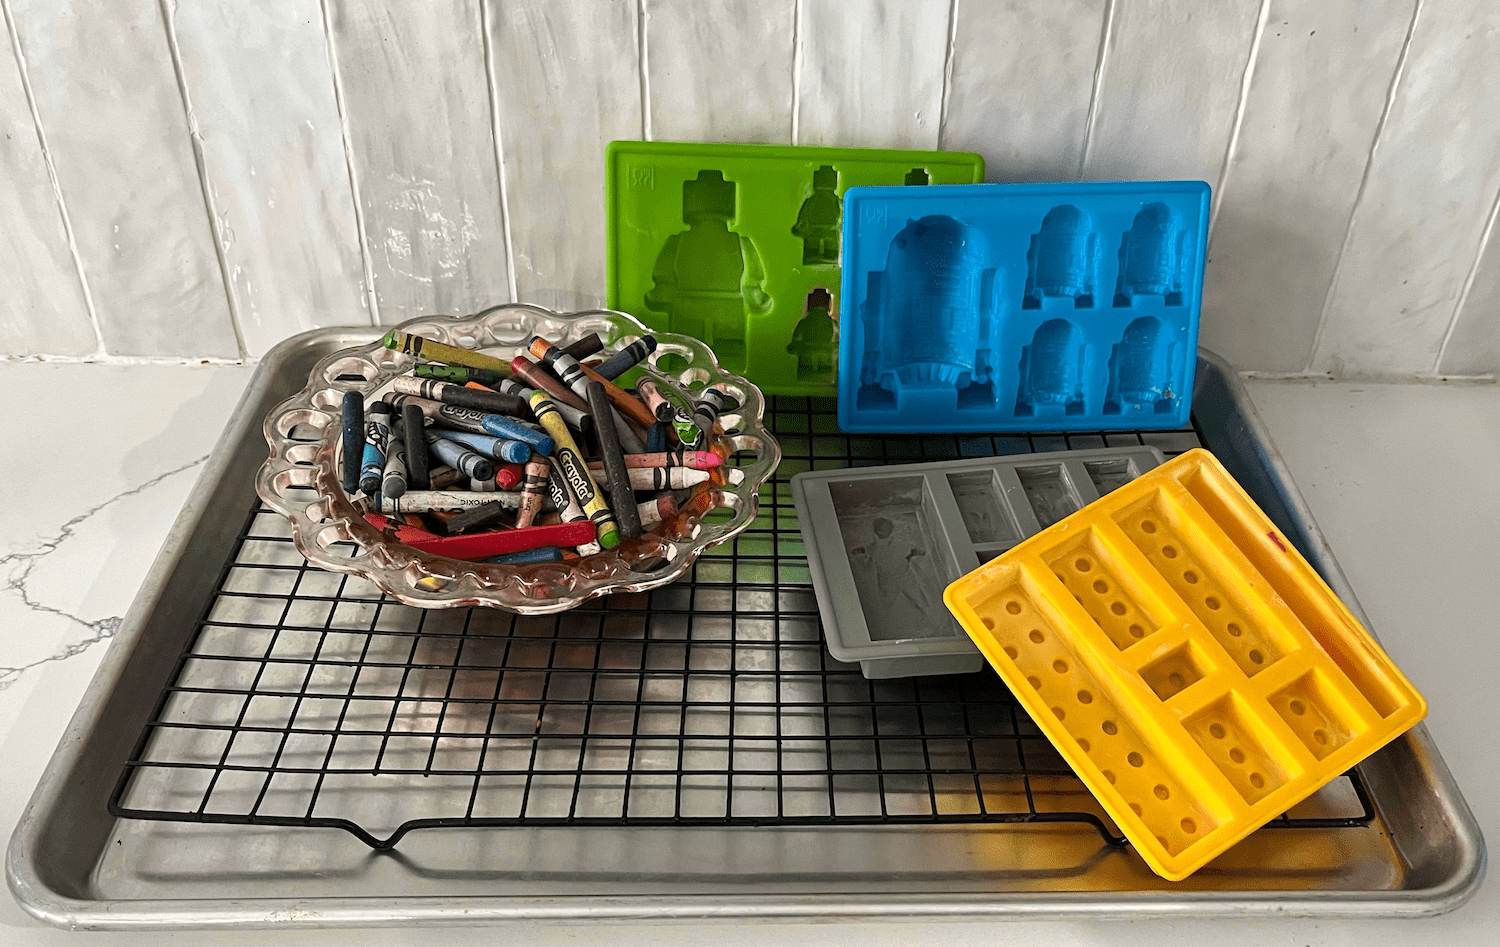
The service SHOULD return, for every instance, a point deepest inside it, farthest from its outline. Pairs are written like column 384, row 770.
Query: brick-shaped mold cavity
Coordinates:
column 1086, row 569
column 1312, row 709
column 1154, row 525
column 1081, row 706
column 1238, row 745
column 1175, row 671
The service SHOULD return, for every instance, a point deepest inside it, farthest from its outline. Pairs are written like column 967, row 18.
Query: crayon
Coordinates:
column 377, row 434
column 650, row 393
column 480, row 399
column 419, row 347
column 482, row 515
column 533, row 374
column 654, row 511
column 577, row 419
column 692, row 459
column 393, row 479
column 630, row 441
column 541, row 554
column 627, row 358
column 354, row 440
column 509, row 475
column 577, row 377
column 665, row 478
column 495, row 448
column 417, row 467
column 480, row 422
column 621, row 499
column 484, row 545
column 579, row 480
column 659, row 437
column 567, row 506
column 443, row 477
column 482, row 486
column 458, row 374
column 472, row 463
column 393, row 528
column 585, row 346
column 532, row 490
column 706, row 411
column 427, row 501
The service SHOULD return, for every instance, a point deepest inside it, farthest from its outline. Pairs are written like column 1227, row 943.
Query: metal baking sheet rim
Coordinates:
column 47, row 902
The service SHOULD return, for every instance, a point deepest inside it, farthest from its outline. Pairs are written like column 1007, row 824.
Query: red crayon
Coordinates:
column 481, row 545
column 508, row 475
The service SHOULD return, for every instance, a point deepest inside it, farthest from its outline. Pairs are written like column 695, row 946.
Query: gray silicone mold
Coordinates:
column 883, row 542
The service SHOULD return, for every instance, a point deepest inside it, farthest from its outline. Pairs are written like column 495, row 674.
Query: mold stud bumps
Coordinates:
column 1061, row 260
column 928, row 316
column 709, row 280
column 819, row 219
column 813, row 340
column 1150, row 257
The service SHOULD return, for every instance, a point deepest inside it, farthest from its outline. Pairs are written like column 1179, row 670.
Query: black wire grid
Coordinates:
column 307, row 698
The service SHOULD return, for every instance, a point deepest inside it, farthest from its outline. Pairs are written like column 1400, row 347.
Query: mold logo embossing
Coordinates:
column 874, row 215
column 642, row 177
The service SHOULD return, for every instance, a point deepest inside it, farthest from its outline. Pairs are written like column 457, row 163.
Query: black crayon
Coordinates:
column 393, row 480
column 706, row 412
column 480, row 399
column 475, row 516
column 585, row 346
column 622, row 498
column 417, row 466
column 627, row 358
column 354, row 440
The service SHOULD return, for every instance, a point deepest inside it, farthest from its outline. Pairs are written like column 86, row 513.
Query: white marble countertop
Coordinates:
column 1401, row 478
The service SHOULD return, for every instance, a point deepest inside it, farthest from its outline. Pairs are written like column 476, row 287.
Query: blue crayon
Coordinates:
column 459, row 457
column 658, row 437
column 498, row 448
column 544, row 554
column 516, row 431
column 377, row 436
column 354, row 440
column 627, row 358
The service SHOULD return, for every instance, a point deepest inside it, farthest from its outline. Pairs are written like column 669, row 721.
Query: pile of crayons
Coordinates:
column 472, row 457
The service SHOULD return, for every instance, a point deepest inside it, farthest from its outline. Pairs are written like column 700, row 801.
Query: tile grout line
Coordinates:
column 948, row 55
column 1239, row 115
column 200, row 162
column 1468, row 285
column 1364, row 179
column 372, row 299
column 798, row 53
column 1106, row 32
column 57, row 194
column 498, row 138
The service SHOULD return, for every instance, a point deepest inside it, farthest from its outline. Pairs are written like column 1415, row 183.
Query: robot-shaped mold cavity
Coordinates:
column 1052, row 369
column 709, row 280
column 929, row 316
column 1061, row 260
column 1141, row 369
column 818, row 220
column 814, row 340
column 1151, row 254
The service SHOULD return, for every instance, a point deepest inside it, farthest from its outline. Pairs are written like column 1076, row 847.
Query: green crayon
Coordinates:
column 419, row 347
column 570, row 462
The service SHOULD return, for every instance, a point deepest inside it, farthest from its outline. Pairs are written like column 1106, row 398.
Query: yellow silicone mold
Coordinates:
column 1195, row 671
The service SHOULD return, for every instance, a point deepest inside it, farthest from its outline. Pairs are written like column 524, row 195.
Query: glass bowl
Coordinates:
column 300, row 479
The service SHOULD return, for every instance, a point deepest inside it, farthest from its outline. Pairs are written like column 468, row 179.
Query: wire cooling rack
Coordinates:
column 308, row 699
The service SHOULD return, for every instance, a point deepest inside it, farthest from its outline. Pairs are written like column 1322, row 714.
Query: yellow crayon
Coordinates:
column 438, row 352
column 570, row 464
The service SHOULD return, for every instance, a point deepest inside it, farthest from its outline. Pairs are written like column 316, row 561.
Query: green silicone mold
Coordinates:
column 738, row 245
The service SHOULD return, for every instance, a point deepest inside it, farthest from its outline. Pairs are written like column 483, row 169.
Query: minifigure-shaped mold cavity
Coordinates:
column 1052, row 369
column 1151, row 257
column 709, row 280
column 928, row 316
column 814, row 340
column 1140, row 369
column 1061, row 259
column 917, row 176
column 819, row 220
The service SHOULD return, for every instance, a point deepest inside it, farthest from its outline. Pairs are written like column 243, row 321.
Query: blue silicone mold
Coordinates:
column 1037, row 307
